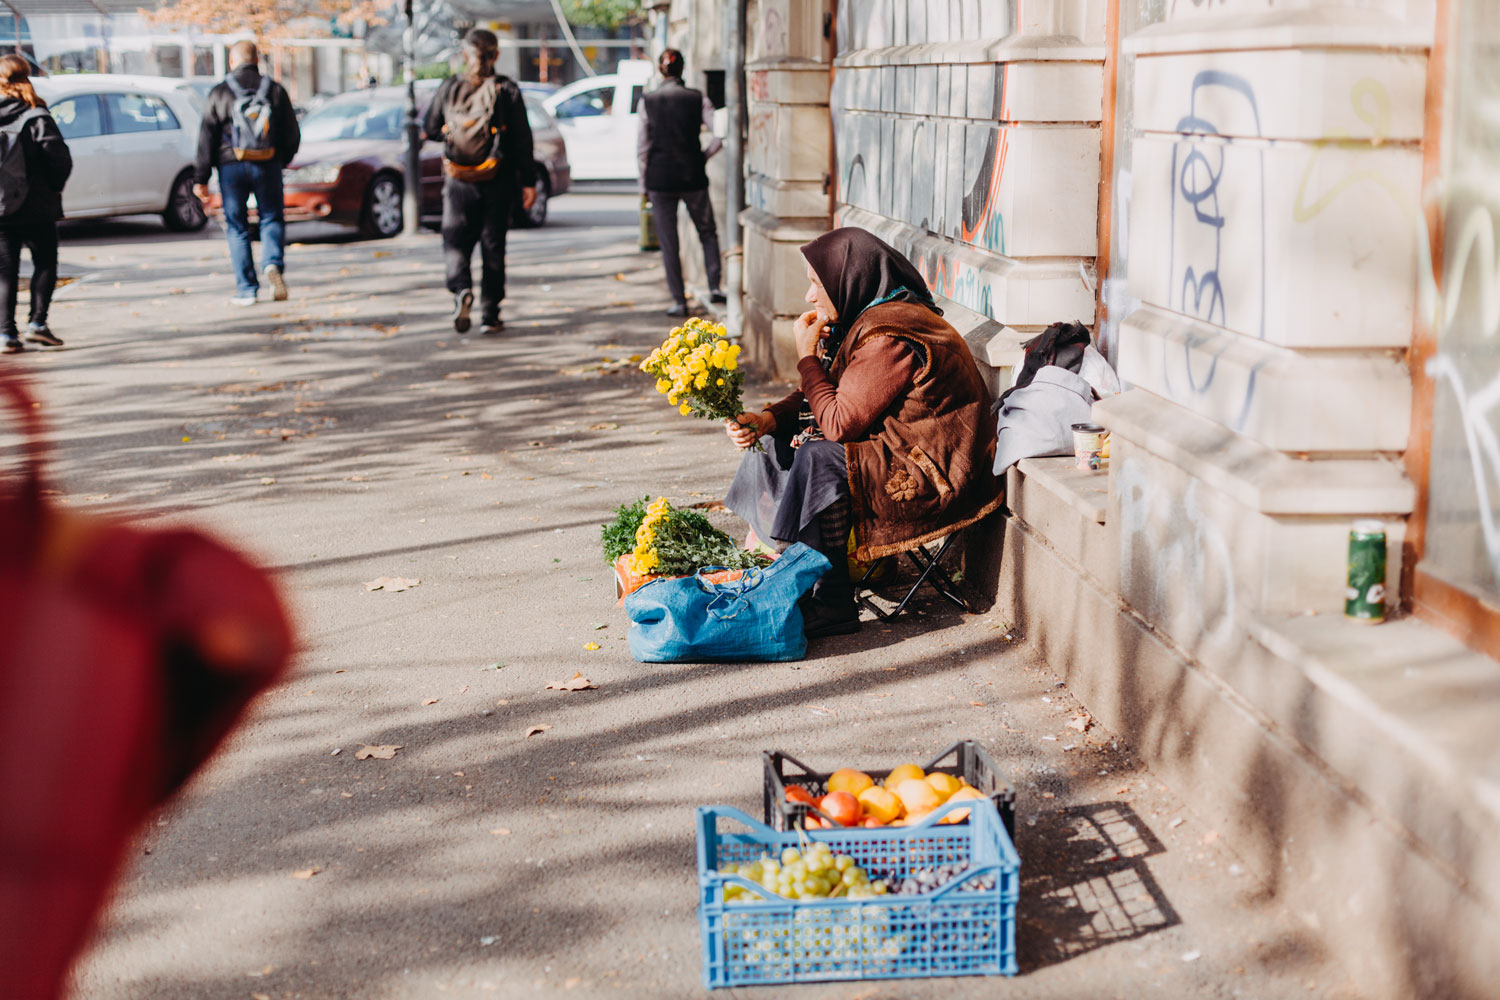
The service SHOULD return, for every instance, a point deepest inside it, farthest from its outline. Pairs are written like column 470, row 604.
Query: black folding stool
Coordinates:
column 928, row 572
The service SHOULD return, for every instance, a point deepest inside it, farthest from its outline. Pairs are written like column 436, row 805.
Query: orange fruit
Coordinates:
column 917, row 796
column 841, row 807
column 796, row 793
column 880, row 804
column 846, row 779
column 905, row 772
column 966, row 793
column 871, row 821
column 944, row 784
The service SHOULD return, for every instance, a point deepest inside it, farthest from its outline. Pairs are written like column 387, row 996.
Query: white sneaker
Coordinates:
column 243, row 300
column 276, row 281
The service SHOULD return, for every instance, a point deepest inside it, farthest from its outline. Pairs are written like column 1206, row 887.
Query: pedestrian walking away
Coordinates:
column 673, row 170
column 34, row 167
column 487, row 156
column 250, row 133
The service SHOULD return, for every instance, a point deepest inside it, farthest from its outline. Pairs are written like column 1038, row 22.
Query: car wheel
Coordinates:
column 383, row 211
column 184, row 212
column 538, row 214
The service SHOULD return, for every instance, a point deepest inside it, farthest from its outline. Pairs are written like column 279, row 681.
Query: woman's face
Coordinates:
column 817, row 296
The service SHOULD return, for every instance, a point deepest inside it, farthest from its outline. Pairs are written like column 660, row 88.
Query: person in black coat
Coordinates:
column 477, row 204
column 673, row 170
column 34, row 224
column 240, row 178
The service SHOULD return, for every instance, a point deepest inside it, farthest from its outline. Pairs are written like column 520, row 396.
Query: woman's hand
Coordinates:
column 807, row 332
column 745, row 429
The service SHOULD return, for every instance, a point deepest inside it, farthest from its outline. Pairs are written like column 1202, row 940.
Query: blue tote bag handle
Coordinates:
column 727, row 600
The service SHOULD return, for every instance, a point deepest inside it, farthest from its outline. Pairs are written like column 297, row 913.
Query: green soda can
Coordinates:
column 1364, row 597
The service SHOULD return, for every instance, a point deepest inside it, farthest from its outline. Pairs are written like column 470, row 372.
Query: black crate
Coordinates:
column 968, row 761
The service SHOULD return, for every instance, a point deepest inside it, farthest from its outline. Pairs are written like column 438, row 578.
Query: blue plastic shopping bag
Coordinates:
column 690, row 620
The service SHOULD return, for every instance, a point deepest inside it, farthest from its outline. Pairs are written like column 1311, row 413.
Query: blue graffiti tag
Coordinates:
column 1196, row 179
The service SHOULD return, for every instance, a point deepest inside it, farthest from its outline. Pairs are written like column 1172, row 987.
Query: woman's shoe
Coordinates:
column 819, row 619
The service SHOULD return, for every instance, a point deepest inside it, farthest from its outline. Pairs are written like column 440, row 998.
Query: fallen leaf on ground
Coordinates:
column 307, row 872
column 577, row 682
column 391, row 584
column 382, row 752
column 429, row 701
column 539, row 728
column 605, row 425
column 493, row 666
column 457, row 376
column 1081, row 722
column 977, row 704
column 501, row 831
column 591, row 645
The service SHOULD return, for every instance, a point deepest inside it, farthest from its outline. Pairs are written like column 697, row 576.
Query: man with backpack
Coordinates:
column 250, row 133
column 673, row 167
column 481, row 119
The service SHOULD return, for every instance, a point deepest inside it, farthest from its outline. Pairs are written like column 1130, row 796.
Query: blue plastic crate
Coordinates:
column 957, row 930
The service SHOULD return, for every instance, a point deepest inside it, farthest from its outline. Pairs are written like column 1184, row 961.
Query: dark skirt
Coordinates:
column 781, row 491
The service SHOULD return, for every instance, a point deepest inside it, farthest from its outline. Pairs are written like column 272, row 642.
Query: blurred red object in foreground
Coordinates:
column 126, row 656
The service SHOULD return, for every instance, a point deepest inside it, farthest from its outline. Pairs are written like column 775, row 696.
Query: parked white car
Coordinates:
column 599, row 117
column 133, row 140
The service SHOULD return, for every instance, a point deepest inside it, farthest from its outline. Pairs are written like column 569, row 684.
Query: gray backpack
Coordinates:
column 14, row 184
column 469, row 133
column 250, row 121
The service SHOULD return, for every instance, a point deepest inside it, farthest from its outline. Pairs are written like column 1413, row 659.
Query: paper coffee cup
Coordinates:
column 1088, row 442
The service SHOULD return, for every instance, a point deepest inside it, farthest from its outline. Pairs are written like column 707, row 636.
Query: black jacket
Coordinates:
column 48, row 165
column 214, row 134
column 514, row 145
column 674, row 155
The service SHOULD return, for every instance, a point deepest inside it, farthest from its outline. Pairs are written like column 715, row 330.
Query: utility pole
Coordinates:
column 412, row 189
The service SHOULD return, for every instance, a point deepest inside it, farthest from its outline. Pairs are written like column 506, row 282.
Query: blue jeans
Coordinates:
column 237, row 182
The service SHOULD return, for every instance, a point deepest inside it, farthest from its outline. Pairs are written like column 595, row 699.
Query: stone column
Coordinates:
column 789, row 166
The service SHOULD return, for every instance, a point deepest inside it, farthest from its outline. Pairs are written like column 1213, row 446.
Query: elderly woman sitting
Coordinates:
column 891, row 429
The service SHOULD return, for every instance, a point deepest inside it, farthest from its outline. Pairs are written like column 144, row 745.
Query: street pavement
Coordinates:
column 349, row 434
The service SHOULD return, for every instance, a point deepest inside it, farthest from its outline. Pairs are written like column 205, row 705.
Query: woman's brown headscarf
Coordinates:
column 859, row 269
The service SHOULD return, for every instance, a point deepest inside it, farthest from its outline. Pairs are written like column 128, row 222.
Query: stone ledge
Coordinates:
column 1318, row 27
column 1016, row 292
column 1024, row 48
column 1085, row 492
column 1252, row 474
column 1407, row 713
column 1289, row 400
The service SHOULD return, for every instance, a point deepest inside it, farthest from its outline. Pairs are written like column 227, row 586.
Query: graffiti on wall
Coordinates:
column 1201, row 230
column 1176, row 566
column 982, row 223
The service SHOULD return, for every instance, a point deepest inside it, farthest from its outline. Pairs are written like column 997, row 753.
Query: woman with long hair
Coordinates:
column 27, row 131
column 480, row 118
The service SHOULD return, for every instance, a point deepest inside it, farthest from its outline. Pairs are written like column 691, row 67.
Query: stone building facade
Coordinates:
column 1279, row 221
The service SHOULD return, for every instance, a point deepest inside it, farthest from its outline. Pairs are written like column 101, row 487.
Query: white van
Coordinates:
column 599, row 117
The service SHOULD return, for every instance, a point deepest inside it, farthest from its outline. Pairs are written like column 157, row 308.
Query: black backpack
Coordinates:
column 471, row 145
column 14, row 184
column 250, row 121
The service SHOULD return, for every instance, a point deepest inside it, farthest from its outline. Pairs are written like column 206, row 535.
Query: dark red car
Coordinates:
column 348, row 170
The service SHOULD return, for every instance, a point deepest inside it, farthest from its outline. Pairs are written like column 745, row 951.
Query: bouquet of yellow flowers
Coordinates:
column 698, row 369
column 664, row 540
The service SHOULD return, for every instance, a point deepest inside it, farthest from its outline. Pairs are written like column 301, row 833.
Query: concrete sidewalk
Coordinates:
column 348, row 434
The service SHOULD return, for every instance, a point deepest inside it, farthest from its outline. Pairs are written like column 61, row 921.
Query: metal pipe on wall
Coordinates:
column 734, row 156
column 412, row 164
